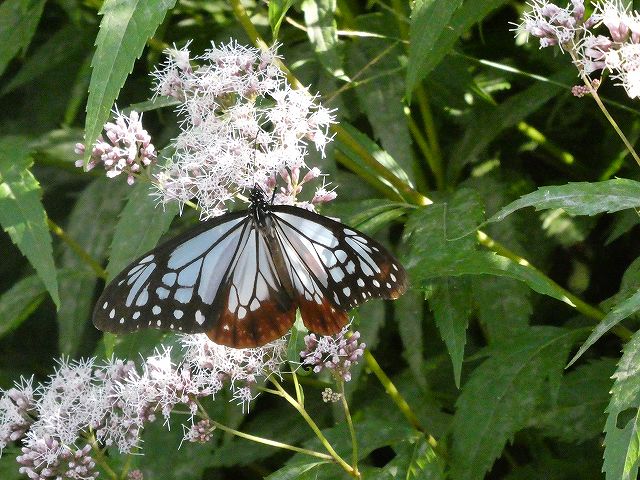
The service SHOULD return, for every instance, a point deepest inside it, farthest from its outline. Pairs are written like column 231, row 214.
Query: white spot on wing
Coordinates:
column 199, row 317
column 346, row 291
column 156, row 309
column 178, row 314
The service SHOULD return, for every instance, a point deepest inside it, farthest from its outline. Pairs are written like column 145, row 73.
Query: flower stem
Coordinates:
column 337, row 458
column 352, row 431
column 77, row 249
column 99, row 456
column 254, row 438
column 594, row 93
column 272, row 443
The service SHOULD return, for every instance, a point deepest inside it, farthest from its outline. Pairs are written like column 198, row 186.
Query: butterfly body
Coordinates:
column 240, row 277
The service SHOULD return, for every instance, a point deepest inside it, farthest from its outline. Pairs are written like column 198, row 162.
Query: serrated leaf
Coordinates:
column 140, row 226
column 427, row 49
column 579, row 413
column 520, row 375
column 429, row 18
column 409, row 311
column 18, row 22
column 415, row 459
column 124, row 31
column 438, row 235
column 22, row 214
column 57, row 50
column 277, row 11
column 622, row 430
column 299, row 471
column 91, row 224
column 579, row 198
column 450, row 301
column 503, row 305
column 618, row 313
column 381, row 89
column 319, row 17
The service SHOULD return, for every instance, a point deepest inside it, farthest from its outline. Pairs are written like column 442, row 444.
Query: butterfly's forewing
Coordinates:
column 175, row 285
column 334, row 268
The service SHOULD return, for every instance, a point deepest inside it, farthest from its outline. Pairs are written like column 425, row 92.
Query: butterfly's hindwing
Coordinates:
column 256, row 309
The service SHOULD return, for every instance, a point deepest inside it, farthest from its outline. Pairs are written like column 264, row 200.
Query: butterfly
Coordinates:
column 240, row 277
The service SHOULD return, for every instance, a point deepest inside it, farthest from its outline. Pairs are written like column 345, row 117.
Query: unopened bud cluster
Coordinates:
column 335, row 353
column 126, row 150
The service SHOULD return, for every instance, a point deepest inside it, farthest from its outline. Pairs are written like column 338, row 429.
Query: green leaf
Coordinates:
column 438, row 236
column 427, row 49
column 9, row 466
column 623, row 222
column 429, row 18
column 277, row 11
column 520, row 376
column 409, row 311
column 17, row 303
column 622, row 430
column 165, row 452
column 91, row 224
column 140, row 226
column 299, row 471
column 582, row 399
column 381, row 91
column 503, row 305
column 450, row 301
column 18, row 22
column 368, row 216
column 319, row 17
column 124, row 31
column 415, row 459
column 579, row 198
column 57, row 50
column 22, row 214
column 621, row 311
column 380, row 155
column 477, row 136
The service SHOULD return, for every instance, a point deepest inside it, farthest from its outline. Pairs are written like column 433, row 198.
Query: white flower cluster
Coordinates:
column 616, row 49
column 243, row 124
column 115, row 400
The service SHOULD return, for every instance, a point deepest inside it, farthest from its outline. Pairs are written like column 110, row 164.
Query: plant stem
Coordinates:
column 272, row 443
column 77, row 249
column 99, row 456
column 352, row 431
column 594, row 93
column 395, row 395
column 337, row 458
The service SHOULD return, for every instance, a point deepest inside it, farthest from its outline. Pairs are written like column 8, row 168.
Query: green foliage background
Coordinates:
column 444, row 130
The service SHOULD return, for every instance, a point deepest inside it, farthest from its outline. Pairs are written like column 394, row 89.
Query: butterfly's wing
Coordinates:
column 333, row 267
column 255, row 306
column 199, row 282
